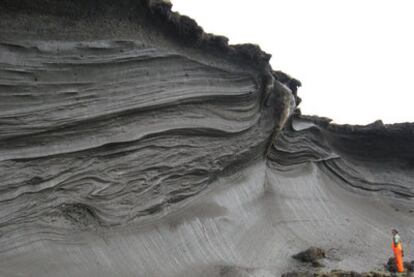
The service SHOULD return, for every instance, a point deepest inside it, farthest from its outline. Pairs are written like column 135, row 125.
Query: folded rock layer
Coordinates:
column 134, row 144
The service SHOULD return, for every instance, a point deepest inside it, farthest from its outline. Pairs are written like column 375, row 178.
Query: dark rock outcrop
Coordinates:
column 311, row 255
column 133, row 143
column 352, row 152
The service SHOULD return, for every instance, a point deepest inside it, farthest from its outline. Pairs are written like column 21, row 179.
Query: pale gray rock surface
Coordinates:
column 134, row 144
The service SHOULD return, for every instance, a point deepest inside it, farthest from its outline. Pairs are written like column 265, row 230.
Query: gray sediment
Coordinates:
column 132, row 143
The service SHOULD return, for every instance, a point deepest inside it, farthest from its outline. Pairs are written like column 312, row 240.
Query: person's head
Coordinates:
column 394, row 231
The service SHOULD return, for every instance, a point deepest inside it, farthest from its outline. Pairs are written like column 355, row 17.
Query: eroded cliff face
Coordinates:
column 134, row 144
column 365, row 158
column 111, row 114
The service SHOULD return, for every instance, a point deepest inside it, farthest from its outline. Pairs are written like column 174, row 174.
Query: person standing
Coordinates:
column 398, row 250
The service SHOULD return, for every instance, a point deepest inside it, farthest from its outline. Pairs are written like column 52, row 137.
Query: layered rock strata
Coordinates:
column 134, row 144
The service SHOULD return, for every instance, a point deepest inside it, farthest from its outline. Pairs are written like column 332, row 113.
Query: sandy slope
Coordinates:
column 134, row 144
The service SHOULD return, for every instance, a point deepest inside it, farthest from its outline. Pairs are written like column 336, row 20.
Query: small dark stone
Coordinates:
column 311, row 255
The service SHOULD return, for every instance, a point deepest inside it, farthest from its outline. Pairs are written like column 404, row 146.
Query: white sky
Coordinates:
column 355, row 58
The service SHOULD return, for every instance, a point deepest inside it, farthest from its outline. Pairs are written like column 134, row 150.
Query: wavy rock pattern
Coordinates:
column 108, row 131
column 134, row 144
column 373, row 158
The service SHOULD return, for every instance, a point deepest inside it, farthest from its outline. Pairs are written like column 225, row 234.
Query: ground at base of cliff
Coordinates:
column 340, row 273
column 314, row 255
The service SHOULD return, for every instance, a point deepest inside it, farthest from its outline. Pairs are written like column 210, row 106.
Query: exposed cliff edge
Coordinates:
column 114, row 112
column 365, row 158
column 132, row 143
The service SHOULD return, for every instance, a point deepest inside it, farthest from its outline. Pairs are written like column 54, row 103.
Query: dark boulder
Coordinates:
column 311, row 255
